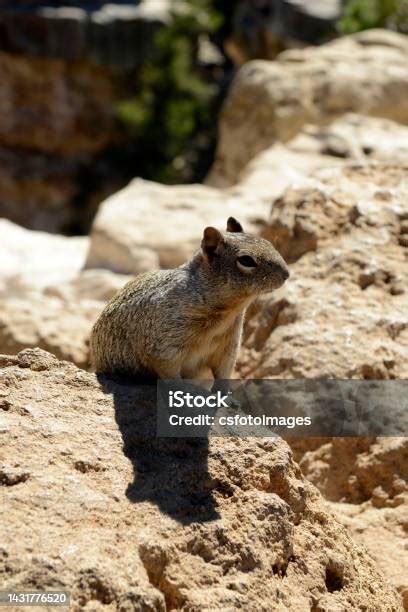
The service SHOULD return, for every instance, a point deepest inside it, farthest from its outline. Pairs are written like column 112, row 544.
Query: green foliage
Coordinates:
column 171, row 109
column 365, row 14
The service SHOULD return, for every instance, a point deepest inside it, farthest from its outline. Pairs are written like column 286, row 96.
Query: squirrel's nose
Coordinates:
column 285, row 273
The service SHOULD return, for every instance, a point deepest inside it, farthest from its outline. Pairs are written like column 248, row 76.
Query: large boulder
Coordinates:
column 271, row 101
column 98, row 505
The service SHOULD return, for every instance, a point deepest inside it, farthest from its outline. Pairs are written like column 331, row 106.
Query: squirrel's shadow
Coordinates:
column 169, row 472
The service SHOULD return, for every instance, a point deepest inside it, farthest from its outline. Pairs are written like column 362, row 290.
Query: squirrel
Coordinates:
column 187, row 322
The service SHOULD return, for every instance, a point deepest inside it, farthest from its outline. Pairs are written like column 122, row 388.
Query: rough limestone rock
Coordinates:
column 366, row 481
column 94, row 503
column 359, row 470
column 149, row 226
column 271, row 101
column 382, row 531
column 351, row 137
column 58, row 318
column 344, row 312
column 50, row 323
column 32, row 260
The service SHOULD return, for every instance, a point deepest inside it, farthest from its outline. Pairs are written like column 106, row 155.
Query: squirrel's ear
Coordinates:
column 233, row 225
column 212, row 240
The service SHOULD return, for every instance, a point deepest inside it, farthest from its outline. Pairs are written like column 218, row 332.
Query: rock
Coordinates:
column 59, row 318
column 64, row 70
column 351, row 137
column 356, row 470
column 38, row 190
column 65, row 108
column 149, row 226
column 45, row 298
column 343, row 314
column 356, row 137
column 119, row 517
column 341, row 230
column 107, row 33
column 272, row 101
column 98, row 285
column 29, row 261
column 60, row 327
column 52, row 140
column 365, row 479
column 380, row 531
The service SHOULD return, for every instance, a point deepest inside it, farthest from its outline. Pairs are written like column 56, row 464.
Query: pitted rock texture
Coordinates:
column 351, row 137
column 366, row 481
column 344, row 312
column 271, row 101
column 94, row 503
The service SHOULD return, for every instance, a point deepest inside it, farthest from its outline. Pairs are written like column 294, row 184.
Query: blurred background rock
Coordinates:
column 93, row 93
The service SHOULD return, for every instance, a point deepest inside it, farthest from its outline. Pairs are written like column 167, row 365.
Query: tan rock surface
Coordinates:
column 60, row 327
column 383, row 533
column 365, row 73
column 58, row 318
column 94, row 284
column 344, row 312
column 149, row 226
column 218, row 524
column 351, row 137
column 366, row 481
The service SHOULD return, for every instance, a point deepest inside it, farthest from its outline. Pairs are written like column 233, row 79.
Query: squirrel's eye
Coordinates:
column 247, row 261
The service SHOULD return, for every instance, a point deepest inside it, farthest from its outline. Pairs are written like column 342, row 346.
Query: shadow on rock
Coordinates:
column 169, row 472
